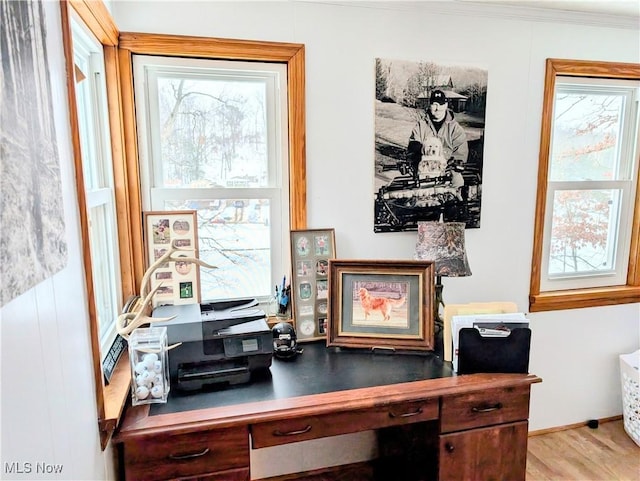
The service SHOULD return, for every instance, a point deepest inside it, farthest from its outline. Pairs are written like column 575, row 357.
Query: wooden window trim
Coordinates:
column 592, row 297
column 96, row 16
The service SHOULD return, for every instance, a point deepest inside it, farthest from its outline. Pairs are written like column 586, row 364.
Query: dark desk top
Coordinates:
column 317, row 370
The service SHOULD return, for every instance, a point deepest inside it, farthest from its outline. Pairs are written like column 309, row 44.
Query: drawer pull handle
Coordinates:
column 449, row 447
column 179, row 457
column 487, row 409
column 405, row 415
column 293, row 433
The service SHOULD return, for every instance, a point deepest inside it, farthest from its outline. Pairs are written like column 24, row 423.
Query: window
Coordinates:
column 585, row 244
column 287, row 54
column 590, row 186
column 99, row 197
column 95, row 115
column 213, row 138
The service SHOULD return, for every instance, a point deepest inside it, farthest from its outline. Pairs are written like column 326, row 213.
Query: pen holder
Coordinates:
column 284, row 309
column 149, row 365
column 284, row 303
column 284, row 315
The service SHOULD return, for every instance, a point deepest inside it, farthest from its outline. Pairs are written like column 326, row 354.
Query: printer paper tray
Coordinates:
column 194, row 376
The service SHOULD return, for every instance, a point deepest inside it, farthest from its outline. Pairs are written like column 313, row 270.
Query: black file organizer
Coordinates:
column 508, row 354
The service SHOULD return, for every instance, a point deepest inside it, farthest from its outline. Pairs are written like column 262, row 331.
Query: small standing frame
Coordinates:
column 311, row 251
column 179, row 282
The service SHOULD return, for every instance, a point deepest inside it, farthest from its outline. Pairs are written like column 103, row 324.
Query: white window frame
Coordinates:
column 625, row 182
column 145, row 69
column 99, row 191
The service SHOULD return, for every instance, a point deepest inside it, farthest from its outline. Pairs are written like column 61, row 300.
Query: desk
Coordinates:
column 461, row 427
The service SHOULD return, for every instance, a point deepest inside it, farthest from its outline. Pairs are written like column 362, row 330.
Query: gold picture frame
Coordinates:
column 179, row 283
column 386, row 305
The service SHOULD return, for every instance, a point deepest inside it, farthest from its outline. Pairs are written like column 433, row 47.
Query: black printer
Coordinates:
column 219, row 342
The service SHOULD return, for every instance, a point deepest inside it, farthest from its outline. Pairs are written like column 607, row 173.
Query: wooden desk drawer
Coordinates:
column 484, row 408
column 312, row 427
column 184, row 455
column 230, row 475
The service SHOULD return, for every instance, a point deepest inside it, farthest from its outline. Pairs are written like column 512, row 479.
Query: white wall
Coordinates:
column 48, row 397
column 48, row 402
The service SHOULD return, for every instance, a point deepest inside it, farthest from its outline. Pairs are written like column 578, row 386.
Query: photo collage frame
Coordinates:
column 179, row 281
column 310, row 254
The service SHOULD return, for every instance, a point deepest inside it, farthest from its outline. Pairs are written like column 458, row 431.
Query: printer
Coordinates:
column 219, row 342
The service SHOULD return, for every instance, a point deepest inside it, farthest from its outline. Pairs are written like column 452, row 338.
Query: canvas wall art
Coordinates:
column 429, row 139
column 32, row 239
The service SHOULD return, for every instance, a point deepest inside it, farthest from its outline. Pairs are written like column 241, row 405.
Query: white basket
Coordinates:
column 630, row 377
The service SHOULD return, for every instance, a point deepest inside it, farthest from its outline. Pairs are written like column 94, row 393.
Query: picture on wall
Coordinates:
column 311, row 251
column 429, row 140
column 32, row 238
column 178, row 282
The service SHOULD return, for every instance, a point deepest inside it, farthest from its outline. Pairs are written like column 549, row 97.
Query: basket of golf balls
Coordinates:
column 149, row 365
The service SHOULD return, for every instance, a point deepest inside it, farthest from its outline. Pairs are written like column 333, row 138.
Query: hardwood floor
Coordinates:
column 583, row 454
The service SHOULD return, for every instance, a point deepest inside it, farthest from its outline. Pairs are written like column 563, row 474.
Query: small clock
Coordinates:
column 307, row 327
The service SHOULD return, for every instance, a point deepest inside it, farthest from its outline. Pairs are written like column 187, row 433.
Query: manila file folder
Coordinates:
column 451, row 310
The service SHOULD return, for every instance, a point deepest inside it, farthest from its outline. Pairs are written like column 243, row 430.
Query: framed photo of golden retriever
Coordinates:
column 383, row 304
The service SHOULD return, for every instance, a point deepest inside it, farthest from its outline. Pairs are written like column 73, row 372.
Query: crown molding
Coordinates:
column 493, row 10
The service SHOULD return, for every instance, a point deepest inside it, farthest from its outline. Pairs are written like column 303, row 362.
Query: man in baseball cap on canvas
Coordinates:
column 439, row 122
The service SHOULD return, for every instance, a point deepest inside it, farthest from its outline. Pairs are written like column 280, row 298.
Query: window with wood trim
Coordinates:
column 290, row 56
column 106, row 243
column 97, row 169
column 587, row 211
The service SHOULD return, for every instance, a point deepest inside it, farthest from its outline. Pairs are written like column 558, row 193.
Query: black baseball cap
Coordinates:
column 438, row 97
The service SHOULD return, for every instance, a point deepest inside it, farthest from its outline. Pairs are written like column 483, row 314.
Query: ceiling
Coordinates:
column 624, row 8
column 615, row 13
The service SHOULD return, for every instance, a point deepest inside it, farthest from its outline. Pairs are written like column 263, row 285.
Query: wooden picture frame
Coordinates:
column 179, row 282
column 381, row 304
column 311, row 251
